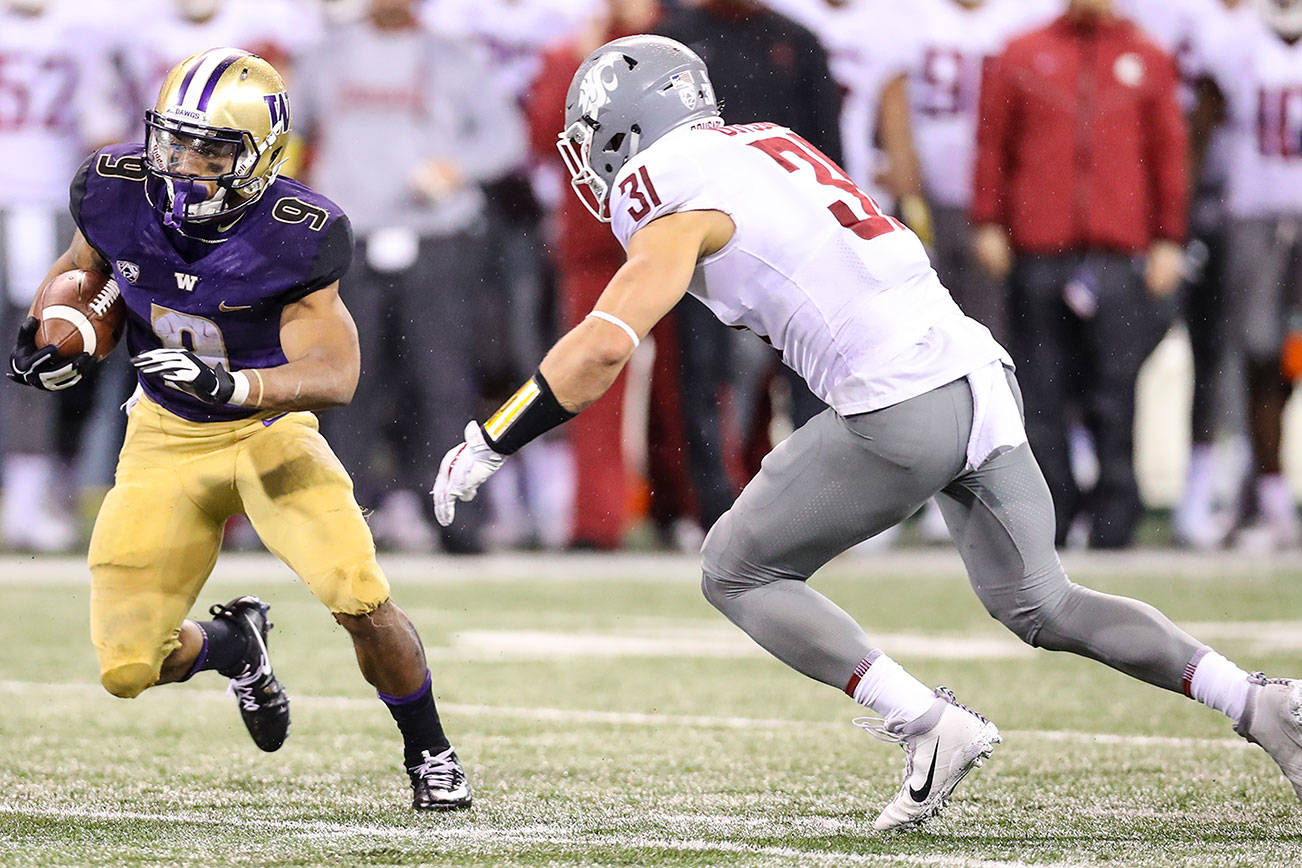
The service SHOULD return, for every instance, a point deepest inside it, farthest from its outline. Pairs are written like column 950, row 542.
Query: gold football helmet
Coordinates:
column 218, row 136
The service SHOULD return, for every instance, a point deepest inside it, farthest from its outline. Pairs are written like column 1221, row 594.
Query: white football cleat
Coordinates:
column 940, row 748
column 1272, row 718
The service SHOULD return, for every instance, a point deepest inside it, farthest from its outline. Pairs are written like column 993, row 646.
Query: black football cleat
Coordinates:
column 438, row 783
column 264, row 704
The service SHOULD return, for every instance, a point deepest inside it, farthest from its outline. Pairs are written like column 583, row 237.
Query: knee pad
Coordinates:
column 130, row 680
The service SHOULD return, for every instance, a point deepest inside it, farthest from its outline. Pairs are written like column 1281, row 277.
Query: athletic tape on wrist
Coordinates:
column 615, row 321
column 531, row 412
column 241, row 393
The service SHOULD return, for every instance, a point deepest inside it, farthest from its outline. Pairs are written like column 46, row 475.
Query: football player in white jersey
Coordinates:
column 1257, row 69
column 868, row 62
column 152, row 36
column 771, row 235
column 1202, row 518
column 948, row 44
column 514, row 33
column 49, row 118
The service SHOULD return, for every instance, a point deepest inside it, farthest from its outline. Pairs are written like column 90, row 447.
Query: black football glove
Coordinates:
column 42, row 368
column 189, row 373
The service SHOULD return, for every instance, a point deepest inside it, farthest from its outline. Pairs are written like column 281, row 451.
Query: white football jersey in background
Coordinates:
column 47, row 64
column 1178, row 26
column 863, row 55
column 845, row 293
column 151, row 38
column 513, row 33
column 1261, row 77
column 947, row 45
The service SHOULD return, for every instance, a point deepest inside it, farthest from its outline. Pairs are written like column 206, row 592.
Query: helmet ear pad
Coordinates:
column 617, row 151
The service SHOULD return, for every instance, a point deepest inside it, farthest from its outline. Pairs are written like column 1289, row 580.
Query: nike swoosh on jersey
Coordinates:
column 919, row 795
column 230, row 308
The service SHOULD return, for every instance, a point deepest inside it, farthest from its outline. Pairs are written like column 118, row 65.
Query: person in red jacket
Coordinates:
column 585, row 261
column 1081, row 194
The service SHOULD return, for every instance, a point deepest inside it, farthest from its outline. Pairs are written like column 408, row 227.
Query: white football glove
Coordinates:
column 188, row 372
column 463, row 470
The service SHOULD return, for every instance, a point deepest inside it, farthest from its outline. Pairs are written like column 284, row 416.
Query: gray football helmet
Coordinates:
column 627, row 94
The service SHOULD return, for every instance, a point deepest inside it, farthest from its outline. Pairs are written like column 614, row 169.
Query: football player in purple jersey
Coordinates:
column 230, row 275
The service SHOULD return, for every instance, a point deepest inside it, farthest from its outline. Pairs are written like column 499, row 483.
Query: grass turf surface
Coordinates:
column 607, row 715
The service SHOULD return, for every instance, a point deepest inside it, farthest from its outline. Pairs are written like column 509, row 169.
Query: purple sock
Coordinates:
column 203, row 655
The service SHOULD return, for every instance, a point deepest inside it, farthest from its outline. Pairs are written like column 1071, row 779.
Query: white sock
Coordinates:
column 1201, row 477
column 882, row 685
column 26, row 483
column 1217, row 683
column 1276, row 498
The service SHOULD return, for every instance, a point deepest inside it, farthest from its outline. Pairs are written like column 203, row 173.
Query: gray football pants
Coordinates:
column 837, row 481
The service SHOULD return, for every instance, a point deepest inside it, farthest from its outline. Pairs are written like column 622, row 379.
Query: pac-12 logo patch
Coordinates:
column 685, row 87
column 129, row 270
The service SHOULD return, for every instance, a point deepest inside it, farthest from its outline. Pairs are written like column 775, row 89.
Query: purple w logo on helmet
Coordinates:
column 278, row 109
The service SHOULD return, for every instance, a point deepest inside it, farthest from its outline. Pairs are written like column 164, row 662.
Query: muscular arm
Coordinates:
column 584, row 363
column 319, row 340
column 661, row 258
column 78, row 255
column 895, row 122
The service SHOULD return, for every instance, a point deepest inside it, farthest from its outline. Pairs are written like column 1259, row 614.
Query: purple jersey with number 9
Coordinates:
column 222, row 300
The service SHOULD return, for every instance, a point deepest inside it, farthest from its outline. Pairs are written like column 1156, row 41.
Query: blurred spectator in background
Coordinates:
column 152, row 36
column 764, row 66
column 1081, row 175
column 586, row 258
column 868, row 64
column 50, row 54
column 405, row 126
column 1256, row 87
column 534, row 502
column 947, row 44
column 1205, row 513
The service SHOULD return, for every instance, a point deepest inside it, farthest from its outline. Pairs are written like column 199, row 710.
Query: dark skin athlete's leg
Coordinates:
column 388, row 649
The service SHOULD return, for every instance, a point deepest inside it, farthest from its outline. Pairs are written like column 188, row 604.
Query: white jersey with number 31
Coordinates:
column 844, row 292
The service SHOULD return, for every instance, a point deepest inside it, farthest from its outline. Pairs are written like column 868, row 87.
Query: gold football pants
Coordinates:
column 158, row 533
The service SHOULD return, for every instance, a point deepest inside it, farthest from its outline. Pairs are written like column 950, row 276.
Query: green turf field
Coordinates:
column 607, row 715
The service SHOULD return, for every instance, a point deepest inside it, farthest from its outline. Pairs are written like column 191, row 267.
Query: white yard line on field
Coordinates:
column 34, row 570
column 715, row 640
column 632, row 718
column 531, row 835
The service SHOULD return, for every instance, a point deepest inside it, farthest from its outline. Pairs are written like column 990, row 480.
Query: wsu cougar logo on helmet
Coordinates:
column 597, row 84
